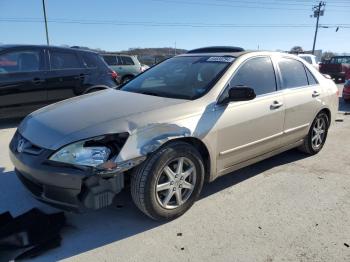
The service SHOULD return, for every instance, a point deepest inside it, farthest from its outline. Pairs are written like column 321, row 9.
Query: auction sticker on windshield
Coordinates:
column 222, row 59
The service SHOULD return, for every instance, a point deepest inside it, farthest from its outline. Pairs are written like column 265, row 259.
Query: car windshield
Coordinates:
column 340, row 60
column 184, row 77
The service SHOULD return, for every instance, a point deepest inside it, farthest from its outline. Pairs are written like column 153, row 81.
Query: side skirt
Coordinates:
column 257, row 159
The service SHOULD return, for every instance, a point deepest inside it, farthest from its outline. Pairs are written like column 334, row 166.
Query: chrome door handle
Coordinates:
column 315, row 94
column 276, row 104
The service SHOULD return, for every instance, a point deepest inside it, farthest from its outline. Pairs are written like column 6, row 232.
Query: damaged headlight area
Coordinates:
column 99, row 152
column 78, row 154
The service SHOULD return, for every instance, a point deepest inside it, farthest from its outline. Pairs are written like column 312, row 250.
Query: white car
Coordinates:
column 311, row 59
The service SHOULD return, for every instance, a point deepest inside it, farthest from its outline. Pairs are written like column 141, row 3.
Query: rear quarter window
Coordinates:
column 126, row 60
column 307, row 59
column 310, row 77
column 91, row 60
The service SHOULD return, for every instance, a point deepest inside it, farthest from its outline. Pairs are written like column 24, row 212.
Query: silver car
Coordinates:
column 183, row 122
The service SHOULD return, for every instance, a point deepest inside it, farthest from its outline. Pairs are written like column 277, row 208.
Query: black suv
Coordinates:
column 34, row 76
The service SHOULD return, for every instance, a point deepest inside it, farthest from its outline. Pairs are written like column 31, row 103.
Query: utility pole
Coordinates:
column 47, row 32
column 175, row 49
column 317, row 13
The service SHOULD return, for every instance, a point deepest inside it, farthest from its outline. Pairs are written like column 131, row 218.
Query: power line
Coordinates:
column 163, row 24
column 239, row 5
column 283, row 3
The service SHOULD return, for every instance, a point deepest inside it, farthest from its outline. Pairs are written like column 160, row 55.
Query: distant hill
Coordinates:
column 152, row 56
column 163, row 51
column 149, row 56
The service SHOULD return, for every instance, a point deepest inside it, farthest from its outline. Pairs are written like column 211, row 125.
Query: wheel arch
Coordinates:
column 202, row 150
column 327, row 111
column 147, row 140
column 127, row 75
column 95, row 88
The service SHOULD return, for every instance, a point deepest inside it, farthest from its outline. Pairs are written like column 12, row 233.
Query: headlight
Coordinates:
column 81, row 154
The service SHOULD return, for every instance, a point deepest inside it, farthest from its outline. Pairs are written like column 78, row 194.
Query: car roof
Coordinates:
column 234, row 54
column 306, row 55
column 3, row 47
column 216, row 49
column 111, row 53
column 238, row 54
column 341, row 56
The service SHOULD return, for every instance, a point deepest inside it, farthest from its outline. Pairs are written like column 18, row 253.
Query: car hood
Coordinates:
column 105, row 112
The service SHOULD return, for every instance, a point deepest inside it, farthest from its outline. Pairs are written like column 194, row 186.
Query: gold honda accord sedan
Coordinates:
column 183, row 122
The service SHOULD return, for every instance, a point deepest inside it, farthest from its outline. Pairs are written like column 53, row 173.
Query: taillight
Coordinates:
column 347, row 83
column 113, row 74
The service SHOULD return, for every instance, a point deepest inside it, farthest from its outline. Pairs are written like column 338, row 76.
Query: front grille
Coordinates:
column 26, row 147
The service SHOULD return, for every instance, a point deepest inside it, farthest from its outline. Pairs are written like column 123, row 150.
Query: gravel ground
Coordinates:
column 287, row 208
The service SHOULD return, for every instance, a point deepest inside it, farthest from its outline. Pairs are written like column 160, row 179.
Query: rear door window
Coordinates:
column 20, row 61
column 257, row 73
column 63, row 60
column 126, row 60
column 293, row 73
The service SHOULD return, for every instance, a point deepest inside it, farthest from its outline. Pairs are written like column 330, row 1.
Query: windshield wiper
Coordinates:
column 150, row 93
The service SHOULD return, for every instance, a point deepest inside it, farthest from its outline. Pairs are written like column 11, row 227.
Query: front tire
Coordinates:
column 168, row 183
column 317, row 136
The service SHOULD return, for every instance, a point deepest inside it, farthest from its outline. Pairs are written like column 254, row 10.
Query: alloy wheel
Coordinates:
column 176, row 183
column 318, row 133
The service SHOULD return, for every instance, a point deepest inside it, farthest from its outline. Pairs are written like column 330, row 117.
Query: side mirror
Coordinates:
column 241, row 93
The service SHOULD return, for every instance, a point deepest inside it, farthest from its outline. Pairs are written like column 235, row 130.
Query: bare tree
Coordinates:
column 327, row 55
column 296, row 49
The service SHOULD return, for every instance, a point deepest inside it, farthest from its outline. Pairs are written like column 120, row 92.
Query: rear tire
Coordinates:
column 126, row 79
column 162, row 187
column 317, row 136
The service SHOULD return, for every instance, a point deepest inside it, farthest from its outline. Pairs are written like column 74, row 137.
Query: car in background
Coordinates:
column 33, row 76
column 337, row 67
column 311, row 59
column 144, row 67
column 187, row 120
column 126, row 66
column 346, row 89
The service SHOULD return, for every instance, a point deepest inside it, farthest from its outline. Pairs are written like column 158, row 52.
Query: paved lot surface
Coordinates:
column 287, row 208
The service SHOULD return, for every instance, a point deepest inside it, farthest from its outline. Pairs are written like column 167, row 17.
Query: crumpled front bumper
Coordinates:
column 66, row 187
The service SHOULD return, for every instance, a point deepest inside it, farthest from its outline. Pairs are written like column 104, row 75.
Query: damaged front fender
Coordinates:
column 148, row 139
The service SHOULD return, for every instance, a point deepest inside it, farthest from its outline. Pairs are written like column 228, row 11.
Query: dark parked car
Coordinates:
column 34, row 76
column 337, row 67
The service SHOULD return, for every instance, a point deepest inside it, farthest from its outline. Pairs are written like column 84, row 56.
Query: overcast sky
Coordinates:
column 119, row 25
